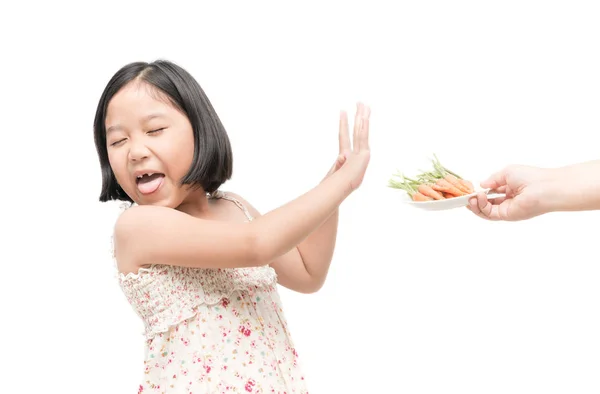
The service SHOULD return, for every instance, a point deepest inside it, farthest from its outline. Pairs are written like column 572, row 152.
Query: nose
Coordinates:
column 138, row 151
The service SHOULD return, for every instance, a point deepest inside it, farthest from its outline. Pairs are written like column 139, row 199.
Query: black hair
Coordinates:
column 213, row 161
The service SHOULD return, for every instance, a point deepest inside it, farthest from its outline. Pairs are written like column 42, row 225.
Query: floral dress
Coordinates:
column 213, row 330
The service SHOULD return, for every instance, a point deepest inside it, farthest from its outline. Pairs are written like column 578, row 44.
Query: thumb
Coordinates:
column 339, row 162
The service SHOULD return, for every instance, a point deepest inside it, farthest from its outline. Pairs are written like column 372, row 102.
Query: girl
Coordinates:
column 199, row 265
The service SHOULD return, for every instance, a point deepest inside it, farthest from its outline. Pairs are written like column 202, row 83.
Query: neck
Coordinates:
column 195, row 204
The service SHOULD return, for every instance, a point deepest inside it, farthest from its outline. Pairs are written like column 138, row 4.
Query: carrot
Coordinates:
column 420, row 197
column 429, row 191
column 424, row 188
column 443, row 185
column 467, row 185
column 439, row 184
column 409, row 188
column 454, row 181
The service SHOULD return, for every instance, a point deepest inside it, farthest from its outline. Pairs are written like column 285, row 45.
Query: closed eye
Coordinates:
column 152, row 132
column 156, row 131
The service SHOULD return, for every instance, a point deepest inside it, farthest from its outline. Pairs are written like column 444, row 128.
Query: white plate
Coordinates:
column 449, row 203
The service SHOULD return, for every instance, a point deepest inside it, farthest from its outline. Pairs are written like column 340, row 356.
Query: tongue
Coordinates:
column 149, row 184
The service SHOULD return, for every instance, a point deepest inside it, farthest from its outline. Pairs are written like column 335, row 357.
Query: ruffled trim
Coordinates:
column 151, row 332
column 252, row 276
column 164, row 296
column 133, row 275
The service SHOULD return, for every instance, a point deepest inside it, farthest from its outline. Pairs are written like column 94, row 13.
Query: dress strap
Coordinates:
column 225, row 196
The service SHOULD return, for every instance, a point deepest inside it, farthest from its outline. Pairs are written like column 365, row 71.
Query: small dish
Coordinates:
column 450, row 203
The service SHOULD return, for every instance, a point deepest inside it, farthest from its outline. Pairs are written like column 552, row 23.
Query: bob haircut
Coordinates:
column 213, row 162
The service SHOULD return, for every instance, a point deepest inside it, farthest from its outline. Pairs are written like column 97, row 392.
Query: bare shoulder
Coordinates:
column 253, row 211
column 128, row 224
column 149, row 234
column 136, row 217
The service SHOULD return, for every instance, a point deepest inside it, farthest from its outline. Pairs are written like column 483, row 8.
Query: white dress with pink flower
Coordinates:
column 213, row 330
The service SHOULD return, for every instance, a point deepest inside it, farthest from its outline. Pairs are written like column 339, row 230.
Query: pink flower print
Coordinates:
column 249, row 385
column 141, row 389
column 244, row 330
column 225, row 302
column 207, row 368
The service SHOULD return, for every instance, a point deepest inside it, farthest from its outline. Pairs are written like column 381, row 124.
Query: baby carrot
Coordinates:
column 430, row 192
column 454, row 181
column 443, row 185
column 452, row 177
column 409, row 187
column 420, row 197
column 467, row 185
column 439, row 184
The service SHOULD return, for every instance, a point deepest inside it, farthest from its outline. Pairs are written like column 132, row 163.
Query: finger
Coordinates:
column 497, row 201
column 473, row 206
column 339, row 162
column 495, row 180
column 341, row 159
column 488, row 210
column 344, row 135
column 364, row 135
column 357, row 127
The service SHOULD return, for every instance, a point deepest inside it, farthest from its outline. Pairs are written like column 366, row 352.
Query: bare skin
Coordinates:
column 178, row 226
column 533, row 191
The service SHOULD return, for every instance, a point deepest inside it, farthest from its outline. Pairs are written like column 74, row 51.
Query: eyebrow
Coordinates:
column 145, row 119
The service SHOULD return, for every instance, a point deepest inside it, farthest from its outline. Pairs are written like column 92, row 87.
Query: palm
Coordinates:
column 356, row 154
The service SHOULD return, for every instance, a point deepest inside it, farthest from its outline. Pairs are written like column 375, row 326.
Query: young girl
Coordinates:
column 199, row 265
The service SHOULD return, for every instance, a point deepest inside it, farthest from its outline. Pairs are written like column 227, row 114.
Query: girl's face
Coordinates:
column 150, row 145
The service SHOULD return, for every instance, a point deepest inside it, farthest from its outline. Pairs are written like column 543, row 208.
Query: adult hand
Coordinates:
column 528, row 191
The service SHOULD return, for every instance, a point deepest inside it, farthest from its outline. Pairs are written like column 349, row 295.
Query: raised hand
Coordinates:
column 354, row 157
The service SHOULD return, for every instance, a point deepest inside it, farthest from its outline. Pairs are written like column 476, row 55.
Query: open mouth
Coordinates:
column 149, row 183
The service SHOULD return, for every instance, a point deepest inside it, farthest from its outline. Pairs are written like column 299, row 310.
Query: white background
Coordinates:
column 416, row 302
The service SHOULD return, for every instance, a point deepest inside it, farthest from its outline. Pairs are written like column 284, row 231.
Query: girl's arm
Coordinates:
column 153, row 234
column 157, row 235
column 305, row 267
